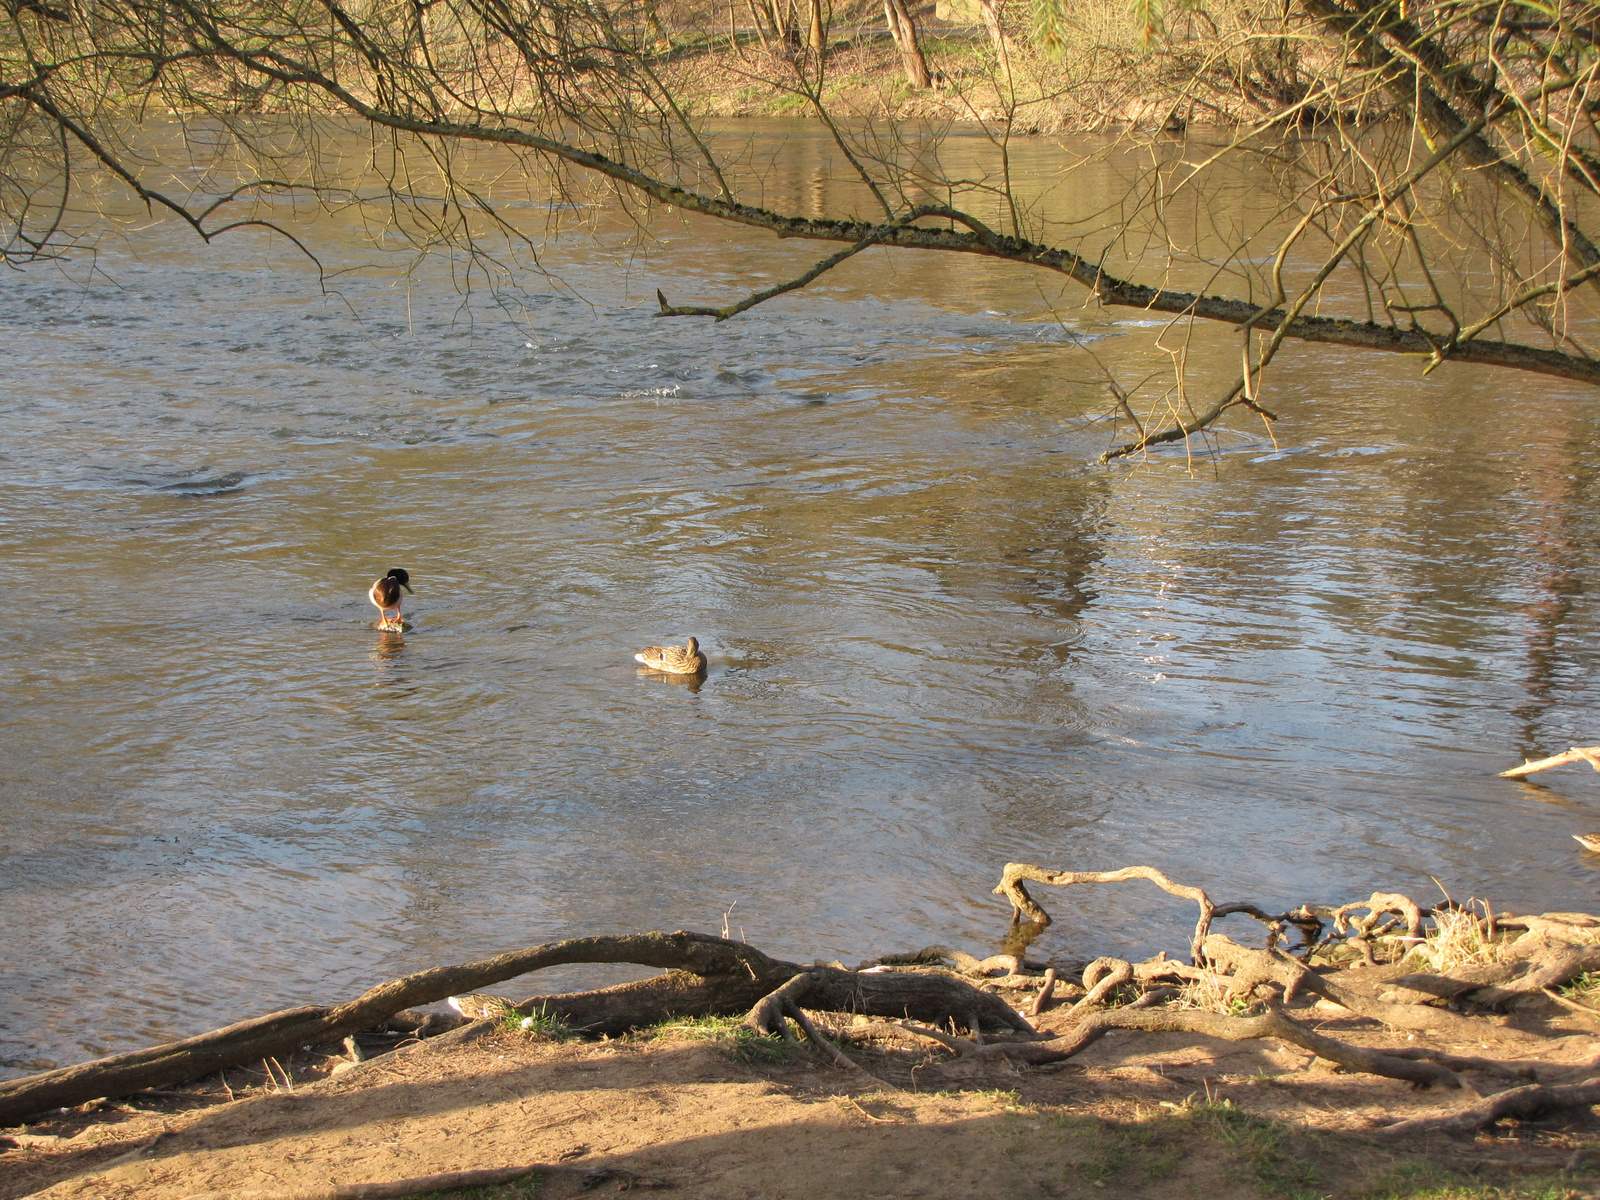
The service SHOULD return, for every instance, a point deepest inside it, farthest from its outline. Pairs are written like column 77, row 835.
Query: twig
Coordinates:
column 881, row 1120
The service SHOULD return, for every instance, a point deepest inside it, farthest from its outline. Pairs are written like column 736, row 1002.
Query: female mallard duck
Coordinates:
column 1589, row 841
column 385, row 593
column 674, row 660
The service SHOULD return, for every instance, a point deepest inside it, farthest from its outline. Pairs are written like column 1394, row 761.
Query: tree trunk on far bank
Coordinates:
column 989, row 10
column 904, row 31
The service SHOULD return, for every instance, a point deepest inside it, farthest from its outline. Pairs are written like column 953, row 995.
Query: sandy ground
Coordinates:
column 1137, row 1115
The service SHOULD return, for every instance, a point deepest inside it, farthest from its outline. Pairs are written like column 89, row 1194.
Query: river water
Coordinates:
column 940, row 637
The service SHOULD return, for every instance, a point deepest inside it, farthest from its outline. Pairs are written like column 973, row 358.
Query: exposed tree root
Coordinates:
column 1251, row 967
column 1023, row 906
column 451, row 1181
column 1273, row 1023
column 705, row 976
column 767, row 1019
column 1494, row 984
column 1046, row 990
column 1102, row 977
column 1495, row 959
column 1523, row 1103
column 1572, row 1005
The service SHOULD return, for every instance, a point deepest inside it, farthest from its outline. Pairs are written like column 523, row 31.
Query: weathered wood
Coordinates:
column 1588, row 754
column 1015, row 876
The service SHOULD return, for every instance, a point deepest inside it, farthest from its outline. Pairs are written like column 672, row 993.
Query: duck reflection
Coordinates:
column 387, row 648
column 692, row 682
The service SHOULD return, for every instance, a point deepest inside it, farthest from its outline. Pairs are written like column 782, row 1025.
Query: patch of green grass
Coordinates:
column 786, row 104
column 1266, row 1158
column 1578, row 985
column 525, row 1188
column 737, row 1040
column 542, row 1024
column 1007, row 1099
column 1103, row 1150
column 1425, row 1181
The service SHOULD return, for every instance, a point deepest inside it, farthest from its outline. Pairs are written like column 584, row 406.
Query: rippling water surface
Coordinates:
column 940, row 638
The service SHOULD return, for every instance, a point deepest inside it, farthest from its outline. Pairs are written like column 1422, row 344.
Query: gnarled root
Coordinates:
column 1251, row 967
column 768, row 1019
column 1274, row 1023
column 428, row 1184
column 1523, row 1103
column 703, row 976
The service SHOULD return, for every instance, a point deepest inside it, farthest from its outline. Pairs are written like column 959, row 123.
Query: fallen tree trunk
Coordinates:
column 705, row 976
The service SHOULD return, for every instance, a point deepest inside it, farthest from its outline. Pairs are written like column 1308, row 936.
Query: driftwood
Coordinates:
column 451, row 1181
column 705, row 976
column 1588, row 754
column 1024, row 908
column 1015, row 877
column 1523, row 1103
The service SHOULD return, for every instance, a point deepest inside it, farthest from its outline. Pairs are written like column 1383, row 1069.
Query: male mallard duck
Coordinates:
column 674, row 660
column 1589, row 841
column 385, row 593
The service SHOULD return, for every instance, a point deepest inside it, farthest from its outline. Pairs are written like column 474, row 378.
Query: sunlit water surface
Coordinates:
column 940, row 638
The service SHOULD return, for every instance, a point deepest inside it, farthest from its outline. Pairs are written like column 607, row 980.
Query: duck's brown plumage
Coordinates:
column 385, row 593
column 1589, row 841
column 674, row 660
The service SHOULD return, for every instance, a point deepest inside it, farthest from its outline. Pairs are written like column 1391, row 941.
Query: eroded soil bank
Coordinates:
column 717, row 1113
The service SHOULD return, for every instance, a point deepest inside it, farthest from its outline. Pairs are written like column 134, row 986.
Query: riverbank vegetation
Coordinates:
column 1371, row 1049
column 1413, row 179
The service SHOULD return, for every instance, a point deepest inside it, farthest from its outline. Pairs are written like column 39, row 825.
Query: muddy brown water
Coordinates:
column 940, row 637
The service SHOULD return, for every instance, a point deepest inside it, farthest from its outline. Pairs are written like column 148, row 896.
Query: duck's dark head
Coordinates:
column 400, row 576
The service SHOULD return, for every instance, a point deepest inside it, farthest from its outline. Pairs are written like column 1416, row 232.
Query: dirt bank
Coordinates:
column 720, row 1114
column 1097, row 88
